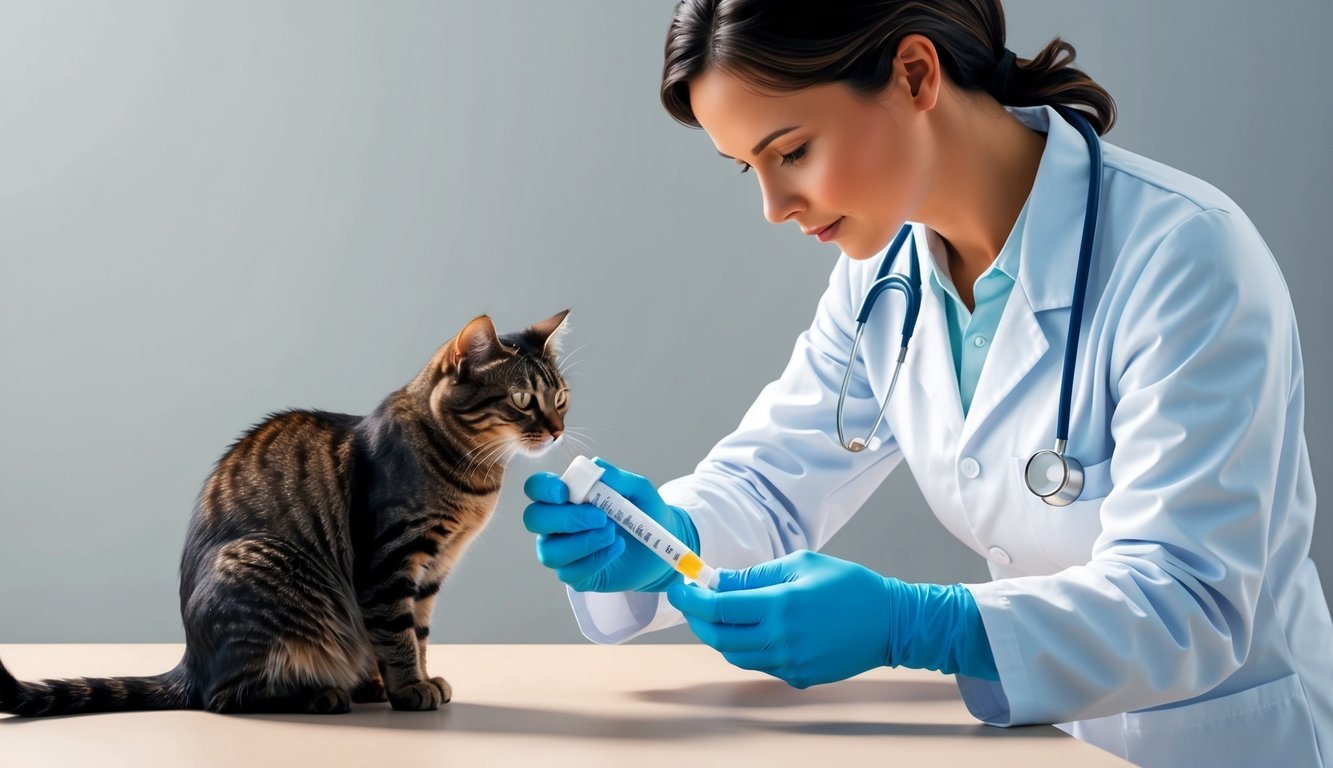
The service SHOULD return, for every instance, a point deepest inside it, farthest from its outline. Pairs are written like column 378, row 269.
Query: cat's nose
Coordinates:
column 556, row 433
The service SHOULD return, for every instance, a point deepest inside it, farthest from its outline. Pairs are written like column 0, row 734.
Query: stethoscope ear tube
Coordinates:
column 911, row 290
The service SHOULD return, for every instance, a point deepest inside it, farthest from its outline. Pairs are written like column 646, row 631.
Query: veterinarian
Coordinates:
column 1088, row 360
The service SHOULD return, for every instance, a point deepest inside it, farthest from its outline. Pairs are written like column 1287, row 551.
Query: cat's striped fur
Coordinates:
column 320, row 540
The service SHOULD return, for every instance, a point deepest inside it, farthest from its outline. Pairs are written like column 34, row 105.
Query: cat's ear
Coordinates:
column 474, row 347
column 549, row 334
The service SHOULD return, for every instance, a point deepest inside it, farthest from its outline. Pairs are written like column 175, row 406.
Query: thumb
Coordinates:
column 634, row 487
column 546, row 487
column 762, row 575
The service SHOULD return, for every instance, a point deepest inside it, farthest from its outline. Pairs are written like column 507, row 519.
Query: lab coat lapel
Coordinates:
column 1019, row 344
column 1046, row 269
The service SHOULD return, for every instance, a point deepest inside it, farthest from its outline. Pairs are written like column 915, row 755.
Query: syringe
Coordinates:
column 583, row 478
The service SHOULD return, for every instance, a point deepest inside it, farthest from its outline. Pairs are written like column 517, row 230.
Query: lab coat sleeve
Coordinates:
column 1202, row 375
column 781, row 481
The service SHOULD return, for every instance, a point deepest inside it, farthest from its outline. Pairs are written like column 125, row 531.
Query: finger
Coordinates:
column 562, row 518
column 731, row 638
column 558, row 550
column 767, row 574
column 719, row 608
column 627, row 484
column 580, row 573
column 547, row 487
column 760, row 661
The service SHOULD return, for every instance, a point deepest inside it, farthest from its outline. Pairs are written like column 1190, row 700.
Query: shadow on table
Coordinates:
column 775, row 693
column 528, row 721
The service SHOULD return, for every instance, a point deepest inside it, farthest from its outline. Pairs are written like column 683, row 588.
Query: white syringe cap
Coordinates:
column 581, row 476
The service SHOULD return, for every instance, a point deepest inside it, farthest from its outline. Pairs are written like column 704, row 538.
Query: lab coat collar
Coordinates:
column 1055, row 207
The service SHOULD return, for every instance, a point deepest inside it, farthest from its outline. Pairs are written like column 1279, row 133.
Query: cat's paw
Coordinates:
column 446, row 690
column 369, row 691
column 419, row 697
column 329, row 701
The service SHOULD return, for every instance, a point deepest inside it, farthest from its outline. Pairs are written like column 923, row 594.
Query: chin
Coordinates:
column 858, row 251
column 537, row 448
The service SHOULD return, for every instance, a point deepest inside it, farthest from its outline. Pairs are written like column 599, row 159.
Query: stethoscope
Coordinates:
column 1054, row 477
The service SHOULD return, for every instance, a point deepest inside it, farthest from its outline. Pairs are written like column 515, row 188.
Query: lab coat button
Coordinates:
column 970, row 467
column 1000, row 556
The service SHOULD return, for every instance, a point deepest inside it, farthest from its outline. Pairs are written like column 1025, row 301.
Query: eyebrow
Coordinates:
column 764, row 142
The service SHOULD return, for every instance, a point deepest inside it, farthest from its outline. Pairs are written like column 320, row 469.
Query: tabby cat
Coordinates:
column 318, row 543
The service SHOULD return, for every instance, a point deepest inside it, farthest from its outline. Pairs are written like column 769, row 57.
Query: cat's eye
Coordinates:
column 561, row 398
column 522, row 399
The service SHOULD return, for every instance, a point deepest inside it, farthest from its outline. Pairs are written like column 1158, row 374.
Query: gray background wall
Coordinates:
column 213, row 210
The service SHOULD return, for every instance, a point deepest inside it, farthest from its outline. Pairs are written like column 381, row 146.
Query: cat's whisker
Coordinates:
column 565, row 358
column 566, row 362
column 576, row 435
column 570, row 365
column 499, row 450
column 482, row 452
column 587, row 449
column 468, row 456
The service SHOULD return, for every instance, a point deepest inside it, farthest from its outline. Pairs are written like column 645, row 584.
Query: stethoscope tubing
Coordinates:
column 1068, row 488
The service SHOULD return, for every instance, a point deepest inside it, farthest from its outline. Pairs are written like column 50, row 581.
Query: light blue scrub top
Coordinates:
column 971, row 332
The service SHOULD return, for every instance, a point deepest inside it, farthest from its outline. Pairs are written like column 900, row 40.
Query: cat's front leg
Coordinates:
column 423, row 608
column 392, row 629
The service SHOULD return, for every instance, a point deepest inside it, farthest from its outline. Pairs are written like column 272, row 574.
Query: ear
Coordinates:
column 920, row 64
column 474, row 347
column 549, row 334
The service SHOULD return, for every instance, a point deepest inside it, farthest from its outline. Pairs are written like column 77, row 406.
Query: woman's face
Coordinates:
column 846, row 168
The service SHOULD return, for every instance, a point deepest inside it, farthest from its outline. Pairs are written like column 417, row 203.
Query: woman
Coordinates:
column 1170, row 613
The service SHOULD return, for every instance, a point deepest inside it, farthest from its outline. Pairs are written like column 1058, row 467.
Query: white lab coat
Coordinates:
column 1172, row 614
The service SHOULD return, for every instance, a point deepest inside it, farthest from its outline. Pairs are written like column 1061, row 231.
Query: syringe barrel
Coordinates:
column 637, row 523
column 585, row 487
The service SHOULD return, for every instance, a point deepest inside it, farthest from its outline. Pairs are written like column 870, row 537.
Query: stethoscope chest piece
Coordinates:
column 1055, row 478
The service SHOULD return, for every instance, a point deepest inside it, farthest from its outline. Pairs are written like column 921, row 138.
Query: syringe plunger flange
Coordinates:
column 580, row 477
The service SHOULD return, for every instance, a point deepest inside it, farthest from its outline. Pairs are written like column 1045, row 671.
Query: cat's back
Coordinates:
column 284, row 476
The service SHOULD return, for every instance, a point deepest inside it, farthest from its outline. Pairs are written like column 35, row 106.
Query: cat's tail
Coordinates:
column 170, row 690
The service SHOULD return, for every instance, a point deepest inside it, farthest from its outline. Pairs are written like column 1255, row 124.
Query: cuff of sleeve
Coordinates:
column 992, row 702
column 614, row 617
column 711, row 536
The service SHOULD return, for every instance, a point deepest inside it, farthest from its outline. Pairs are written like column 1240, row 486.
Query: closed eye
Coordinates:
column 789, row 159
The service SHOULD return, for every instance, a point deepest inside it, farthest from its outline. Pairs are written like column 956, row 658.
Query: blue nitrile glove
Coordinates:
column 591, row 553
column 809, row 618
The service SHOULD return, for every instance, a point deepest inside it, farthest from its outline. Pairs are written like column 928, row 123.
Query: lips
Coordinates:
column 826, row 232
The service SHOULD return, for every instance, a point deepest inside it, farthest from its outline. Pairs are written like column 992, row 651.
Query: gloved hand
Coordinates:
column 808, row 618
column 591, row 553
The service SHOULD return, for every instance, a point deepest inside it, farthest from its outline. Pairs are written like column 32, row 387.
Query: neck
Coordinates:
column 987, row 165
column 407, row 428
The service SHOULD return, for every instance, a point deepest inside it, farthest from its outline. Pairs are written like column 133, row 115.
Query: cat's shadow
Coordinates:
column 725, row 700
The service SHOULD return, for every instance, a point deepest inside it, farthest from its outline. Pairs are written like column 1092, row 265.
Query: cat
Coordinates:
column 318, row 543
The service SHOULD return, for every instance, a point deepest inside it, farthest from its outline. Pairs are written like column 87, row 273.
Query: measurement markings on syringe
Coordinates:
column 628, row 521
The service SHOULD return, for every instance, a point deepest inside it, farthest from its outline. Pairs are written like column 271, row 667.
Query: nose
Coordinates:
column 780, row 203
column 556, row 433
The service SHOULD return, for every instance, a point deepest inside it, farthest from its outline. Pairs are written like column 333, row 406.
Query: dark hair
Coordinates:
column 786, row 45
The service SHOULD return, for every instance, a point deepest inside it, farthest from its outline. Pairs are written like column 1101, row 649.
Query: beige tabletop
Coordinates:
column 547, row 705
